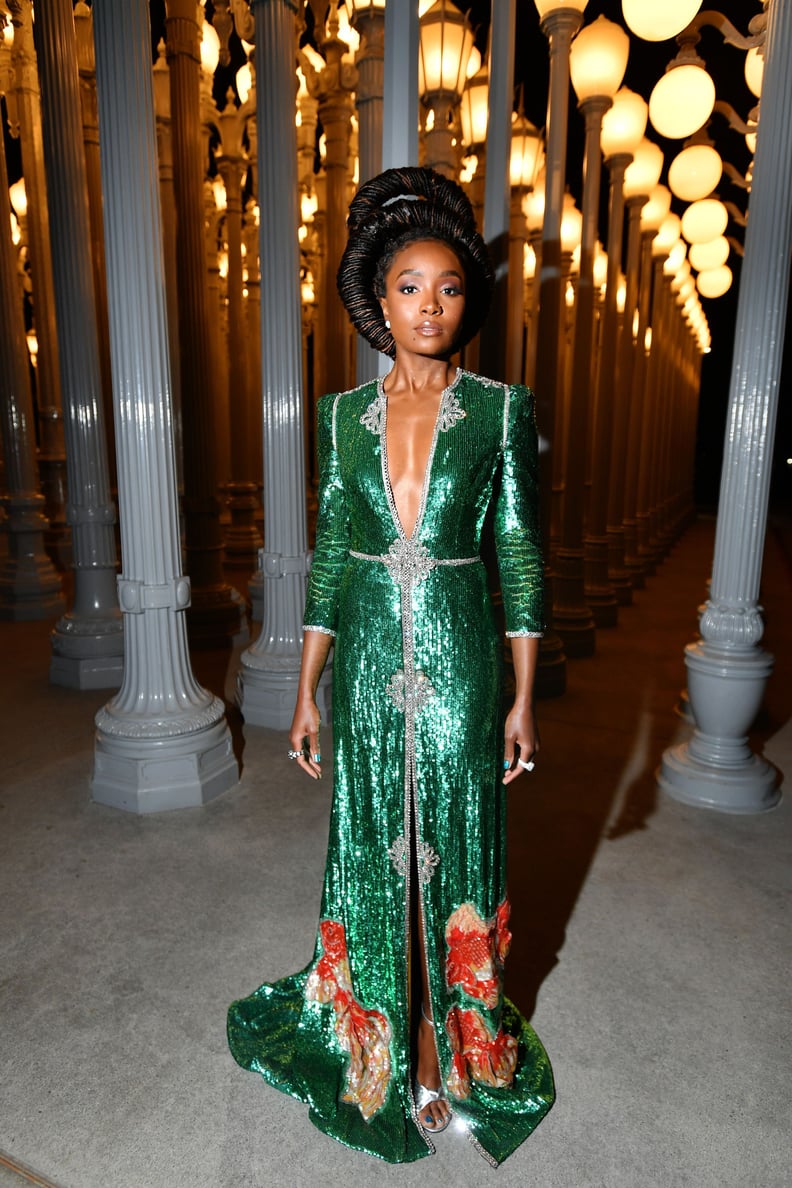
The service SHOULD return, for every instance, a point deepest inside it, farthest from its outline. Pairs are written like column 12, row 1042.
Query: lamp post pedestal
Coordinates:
column 727, row 669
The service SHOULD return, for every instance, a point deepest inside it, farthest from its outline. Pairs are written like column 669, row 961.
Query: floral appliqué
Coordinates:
column 365, row 1035
column 409, row 560
column 373, row 418
column 477, row 951
column 450, row 412
column 489, row 1059
column 427, row 858
column 401, row 694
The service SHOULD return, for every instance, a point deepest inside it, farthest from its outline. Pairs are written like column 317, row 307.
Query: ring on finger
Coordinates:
column 295, row 754
column 529, row 766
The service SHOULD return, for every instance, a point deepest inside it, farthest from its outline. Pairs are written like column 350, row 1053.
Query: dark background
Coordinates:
column 646, row 63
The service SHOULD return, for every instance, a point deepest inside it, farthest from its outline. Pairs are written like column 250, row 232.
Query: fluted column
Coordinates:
column 26, row 124
column 83, row 25
column 168, row 208
column 559, row 26
column 30, row 587
column 270, row 668
column 618, row 573
column 333, row 88
column 600, row 594
column 638, row 416
column 162, row 741
column 370, row 62
column 242, row 540
column 88, row 642
column 217, row 611
column 727, row 668
column 571, row 614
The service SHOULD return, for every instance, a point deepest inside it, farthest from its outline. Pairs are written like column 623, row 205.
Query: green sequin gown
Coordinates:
column 418, row 764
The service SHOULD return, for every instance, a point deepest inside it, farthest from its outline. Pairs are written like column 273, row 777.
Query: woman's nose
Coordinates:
column 431, row 305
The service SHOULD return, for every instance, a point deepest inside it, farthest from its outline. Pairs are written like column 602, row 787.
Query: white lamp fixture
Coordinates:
column 682, row 100
column 624, row 124
column 474, row 108
column 643, row 173
column 571, row 225
column 667, row 236
column 527, row 153
column 210, row 49
column 657, row 20
column 598, row 59
column 533, row 204
column 18, row 196
column 754, row 70
column 244, row 82
column 704, row 220
column 714, row 282
column 704, row 256
column 695, row 172
column 655, row 210
column 446, row 41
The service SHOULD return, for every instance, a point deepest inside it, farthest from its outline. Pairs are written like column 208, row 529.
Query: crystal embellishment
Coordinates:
column 428, row 859
column 373, row 418
column 398, row 690
column 451, row 411
column 409, row 560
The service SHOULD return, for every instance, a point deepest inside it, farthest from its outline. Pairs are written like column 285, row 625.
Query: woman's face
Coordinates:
column 425, row 298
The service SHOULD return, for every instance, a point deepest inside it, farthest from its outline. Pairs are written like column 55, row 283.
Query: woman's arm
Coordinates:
column 521, row 731
column 305, row 723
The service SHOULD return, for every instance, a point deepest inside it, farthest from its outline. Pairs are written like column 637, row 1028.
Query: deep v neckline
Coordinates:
column 442, row 416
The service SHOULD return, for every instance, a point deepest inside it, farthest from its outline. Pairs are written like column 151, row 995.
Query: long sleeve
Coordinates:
column 517, row 522
column 332, row 529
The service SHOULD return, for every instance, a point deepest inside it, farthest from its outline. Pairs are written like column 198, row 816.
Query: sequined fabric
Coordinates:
column 417, row 770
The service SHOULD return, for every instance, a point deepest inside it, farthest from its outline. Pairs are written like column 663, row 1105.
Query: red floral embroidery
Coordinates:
column 477, row 1053
column 364, row 1034
column 477, row 950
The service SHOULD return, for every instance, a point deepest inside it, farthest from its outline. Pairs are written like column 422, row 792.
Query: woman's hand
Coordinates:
column 305, row 726
column 521, row 739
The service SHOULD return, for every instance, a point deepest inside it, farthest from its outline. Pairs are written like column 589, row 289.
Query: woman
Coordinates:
column 414, row 919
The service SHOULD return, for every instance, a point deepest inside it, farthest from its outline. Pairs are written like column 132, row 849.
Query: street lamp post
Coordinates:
column 622, row 128
column 445, row 48
column 559, row 22
column 598, row 59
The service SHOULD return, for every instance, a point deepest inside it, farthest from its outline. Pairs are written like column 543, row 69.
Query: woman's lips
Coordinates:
column 429, row 328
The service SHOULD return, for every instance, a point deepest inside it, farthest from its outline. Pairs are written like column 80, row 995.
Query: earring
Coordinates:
column 387, row 324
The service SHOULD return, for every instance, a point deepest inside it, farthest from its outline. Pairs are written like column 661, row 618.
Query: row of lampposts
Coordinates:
column 602, row 356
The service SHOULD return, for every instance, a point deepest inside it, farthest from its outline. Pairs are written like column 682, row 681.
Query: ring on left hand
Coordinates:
column 529, row 766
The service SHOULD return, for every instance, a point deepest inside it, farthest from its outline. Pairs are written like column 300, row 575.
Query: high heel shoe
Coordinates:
column 423, row 1098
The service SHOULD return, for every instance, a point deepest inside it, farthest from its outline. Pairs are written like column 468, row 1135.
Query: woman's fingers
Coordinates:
column 304, row 738
column 519, row 756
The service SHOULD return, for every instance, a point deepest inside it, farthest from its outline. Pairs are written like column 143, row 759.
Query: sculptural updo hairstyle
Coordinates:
column 394, row 209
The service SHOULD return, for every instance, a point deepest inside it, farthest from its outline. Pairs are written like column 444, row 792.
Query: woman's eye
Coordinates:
column 407, row 289
column 452, row 291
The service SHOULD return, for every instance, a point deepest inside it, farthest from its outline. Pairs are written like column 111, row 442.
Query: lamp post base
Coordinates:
column 179, row 772
column 267, row 689
column 749, row 789
column 716, row 768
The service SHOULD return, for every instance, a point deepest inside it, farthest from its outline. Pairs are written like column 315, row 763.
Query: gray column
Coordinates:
column 600, row 594
column 559, row 27
column 497, row 190
column 270, row 668
column 638, row 416
column 727, row 669
column 370, row 62
column 333, row 88
column 618, row 573
column 30, row 587
column 88, row 642
column 162, row 742
column 217, row 613
column 571, row 614
column 27, row 126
